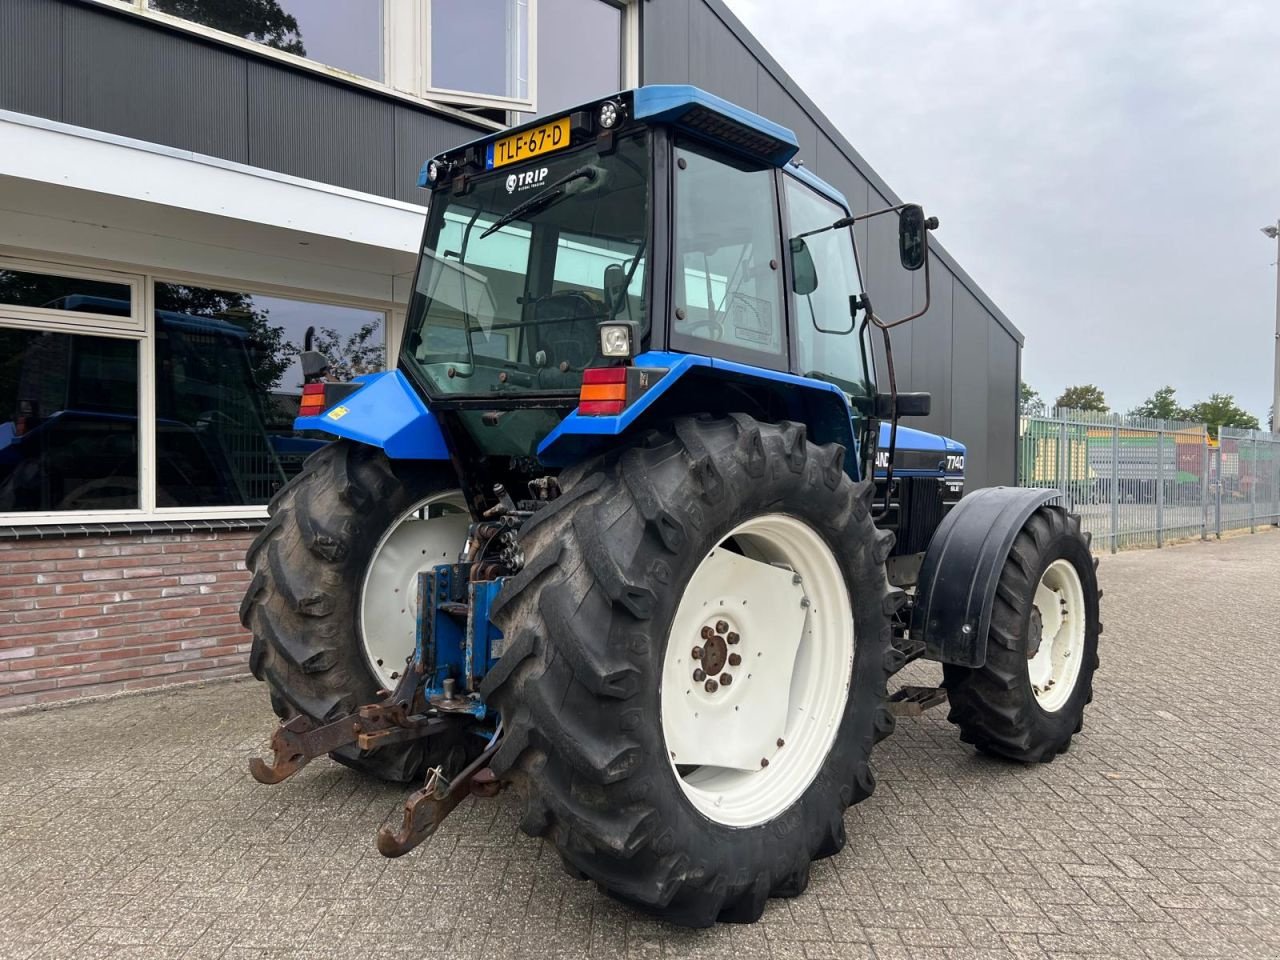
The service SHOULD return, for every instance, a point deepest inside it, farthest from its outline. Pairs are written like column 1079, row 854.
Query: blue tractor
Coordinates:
column 631, row 527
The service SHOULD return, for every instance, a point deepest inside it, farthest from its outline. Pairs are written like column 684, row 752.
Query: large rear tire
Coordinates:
column 1027, row 701
column 312, row 569
column 585, row 684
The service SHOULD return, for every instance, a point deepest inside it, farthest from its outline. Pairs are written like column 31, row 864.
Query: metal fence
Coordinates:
column 1141, row 482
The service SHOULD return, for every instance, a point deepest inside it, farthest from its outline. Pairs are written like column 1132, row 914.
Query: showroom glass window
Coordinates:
column 68, row 401
column 346, row 34
column 228, row 383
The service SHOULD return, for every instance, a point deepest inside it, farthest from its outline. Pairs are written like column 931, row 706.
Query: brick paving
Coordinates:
column 1157, row 836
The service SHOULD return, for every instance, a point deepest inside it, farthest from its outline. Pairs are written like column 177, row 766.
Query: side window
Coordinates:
column 728, row 287
column 832, row 356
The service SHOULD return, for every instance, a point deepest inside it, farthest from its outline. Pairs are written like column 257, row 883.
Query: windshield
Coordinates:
column 516, row 309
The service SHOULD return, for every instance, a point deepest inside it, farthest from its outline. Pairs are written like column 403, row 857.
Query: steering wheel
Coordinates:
column 713, row 325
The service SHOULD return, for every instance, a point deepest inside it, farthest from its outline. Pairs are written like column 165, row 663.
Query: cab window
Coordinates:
column 727, row 285
column 828, row 349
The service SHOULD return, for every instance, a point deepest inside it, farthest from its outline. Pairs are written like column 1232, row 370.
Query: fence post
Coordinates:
column 1204, row 485
column 1253, row 488
column 1160, row 485
column 1217, row 489
column 1062, row 461
column 1115, row 485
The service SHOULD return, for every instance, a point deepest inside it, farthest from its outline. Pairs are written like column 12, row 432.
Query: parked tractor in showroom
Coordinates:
column 631, row 528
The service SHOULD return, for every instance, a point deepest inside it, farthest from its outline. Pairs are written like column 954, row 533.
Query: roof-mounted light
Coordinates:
column 609, row 115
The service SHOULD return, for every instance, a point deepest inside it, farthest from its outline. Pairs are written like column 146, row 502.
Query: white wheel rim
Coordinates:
column 785, row 598
column 1060, row 613
column 430, row 532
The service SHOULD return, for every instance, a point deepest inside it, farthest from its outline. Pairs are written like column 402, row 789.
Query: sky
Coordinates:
column 1101, row 168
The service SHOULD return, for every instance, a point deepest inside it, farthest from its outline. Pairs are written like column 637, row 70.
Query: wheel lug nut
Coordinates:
column 707, row 633
column 732, row 638
column 781, row 742
column 764, row 761
column 699, row 676
column 726, row 679
column 734, row 659
column 722, row 627
column 712, row 686
column 696, row 653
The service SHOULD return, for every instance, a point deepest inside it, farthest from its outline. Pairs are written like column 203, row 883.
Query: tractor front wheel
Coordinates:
column 694, row 666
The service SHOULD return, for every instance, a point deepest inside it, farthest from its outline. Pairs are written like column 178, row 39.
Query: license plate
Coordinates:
column 528, row 143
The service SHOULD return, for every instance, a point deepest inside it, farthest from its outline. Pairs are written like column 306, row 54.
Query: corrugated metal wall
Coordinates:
column 91, row 67
column 964, row 350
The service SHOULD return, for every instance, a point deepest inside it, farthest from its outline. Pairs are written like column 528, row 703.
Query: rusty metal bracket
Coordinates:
column 425, row 809
column 913, row 701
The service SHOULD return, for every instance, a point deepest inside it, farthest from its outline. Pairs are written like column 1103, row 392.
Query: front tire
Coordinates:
column 589, row 621
column 316, row 647
column 1027, row 701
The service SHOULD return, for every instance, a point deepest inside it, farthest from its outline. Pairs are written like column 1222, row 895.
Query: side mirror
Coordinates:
column 804, row 275
column 913, row 236
column 615, row 288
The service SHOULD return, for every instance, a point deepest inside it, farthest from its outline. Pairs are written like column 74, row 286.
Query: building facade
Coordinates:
column 189, row 191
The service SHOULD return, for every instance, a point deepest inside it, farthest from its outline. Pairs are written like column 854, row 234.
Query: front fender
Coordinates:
column 387, row 413
column 957, row 586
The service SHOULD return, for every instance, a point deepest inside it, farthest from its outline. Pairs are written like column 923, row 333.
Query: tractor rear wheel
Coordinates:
column 694, row 668
column 333, row 600
column 1027, row 701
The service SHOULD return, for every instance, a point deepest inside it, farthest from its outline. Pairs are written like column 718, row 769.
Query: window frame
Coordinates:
column 406, row 51
column 140, row 328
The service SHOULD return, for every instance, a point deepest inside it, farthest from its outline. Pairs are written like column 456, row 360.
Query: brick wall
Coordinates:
column 92, row 615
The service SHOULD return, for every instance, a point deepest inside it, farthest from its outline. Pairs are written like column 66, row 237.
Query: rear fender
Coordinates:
column 691, row 384
column 386, row 412
column 957, row 586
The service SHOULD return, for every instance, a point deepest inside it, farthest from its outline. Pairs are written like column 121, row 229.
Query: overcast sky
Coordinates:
column 1101, row 168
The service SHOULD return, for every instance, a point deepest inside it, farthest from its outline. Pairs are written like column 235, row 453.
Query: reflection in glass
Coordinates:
column 346, row 34
column 22, row 288
column 571, row 72
column 68, row 422
column 481, row 46
column 228, row 383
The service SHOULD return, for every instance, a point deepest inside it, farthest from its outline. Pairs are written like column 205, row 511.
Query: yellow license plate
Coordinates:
column 528, row 144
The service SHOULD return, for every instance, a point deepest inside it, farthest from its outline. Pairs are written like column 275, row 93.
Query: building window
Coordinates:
column 579, row 53
column 347, row 34
column 228, row 383
column 480, row 47
column 68, row 422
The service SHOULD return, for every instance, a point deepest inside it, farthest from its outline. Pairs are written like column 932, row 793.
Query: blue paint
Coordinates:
column 565, row 444
column 483, row 638
column 911, row 439
column 671, row 102
column 388, row 413
column 805, row 176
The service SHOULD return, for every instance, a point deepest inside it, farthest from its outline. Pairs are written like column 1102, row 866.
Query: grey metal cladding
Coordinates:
column 1002, row 405
column 419, row 138
column 312, row 128
column 931, row 345
column 718, row 62
column 970, row 357
column 664, row 31
column 31, row 57
column 152, row 84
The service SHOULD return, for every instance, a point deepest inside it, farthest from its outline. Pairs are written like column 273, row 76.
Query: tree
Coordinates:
column 1161, row 405
column 1221, row 410
column 1082, row 397
column 259, row 20
column 1030, row 403
column 270, row 354
column 360, row 352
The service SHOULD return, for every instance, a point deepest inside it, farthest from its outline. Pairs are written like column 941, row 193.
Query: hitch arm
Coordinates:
column 297, row 742
column 426, row 808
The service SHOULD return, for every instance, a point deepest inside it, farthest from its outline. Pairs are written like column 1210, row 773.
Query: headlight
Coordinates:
column 615, row 339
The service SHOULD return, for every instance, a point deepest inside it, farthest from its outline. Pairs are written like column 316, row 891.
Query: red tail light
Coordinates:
column 604, row 391
column 312, row 400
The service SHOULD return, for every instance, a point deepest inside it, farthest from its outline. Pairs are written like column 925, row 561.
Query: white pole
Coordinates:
column 1275, row 392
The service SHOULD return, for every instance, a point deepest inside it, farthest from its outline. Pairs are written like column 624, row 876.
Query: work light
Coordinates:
column 608, row 115
column 616, row 339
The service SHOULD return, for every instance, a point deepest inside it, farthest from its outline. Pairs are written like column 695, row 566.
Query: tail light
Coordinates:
column 312, row 400
column 604, row 391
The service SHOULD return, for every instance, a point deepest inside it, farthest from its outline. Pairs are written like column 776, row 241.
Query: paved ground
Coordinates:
column 1158, row 835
